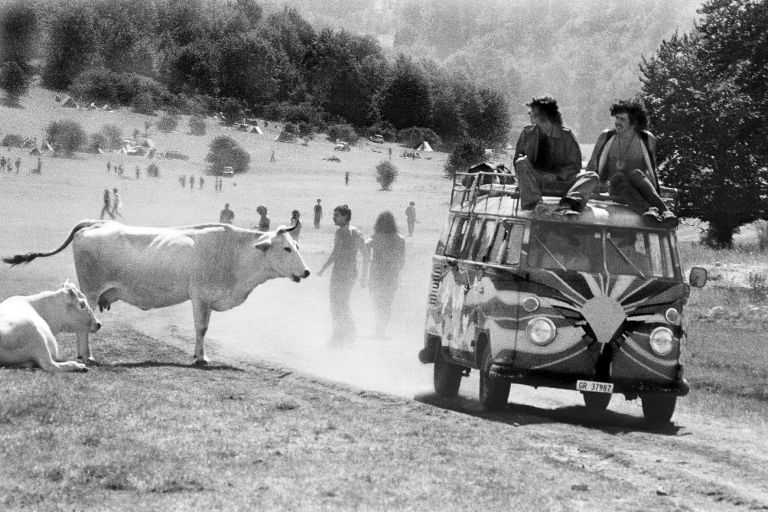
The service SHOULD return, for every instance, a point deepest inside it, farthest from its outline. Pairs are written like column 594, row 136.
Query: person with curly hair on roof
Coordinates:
column 625, row 158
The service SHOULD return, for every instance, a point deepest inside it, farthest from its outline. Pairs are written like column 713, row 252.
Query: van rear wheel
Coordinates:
column 658, row 408
column 596, row 402
column 493, row 392
column 446, row 376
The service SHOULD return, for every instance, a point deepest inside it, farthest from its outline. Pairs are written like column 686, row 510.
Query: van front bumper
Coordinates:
column 631, row 388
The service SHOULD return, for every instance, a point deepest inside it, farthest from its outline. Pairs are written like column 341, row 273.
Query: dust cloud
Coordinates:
column 289, row 324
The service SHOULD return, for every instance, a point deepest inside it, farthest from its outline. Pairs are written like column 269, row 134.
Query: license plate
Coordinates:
column 594, row 387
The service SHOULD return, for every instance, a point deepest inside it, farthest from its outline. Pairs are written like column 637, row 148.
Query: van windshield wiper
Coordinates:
column 626, row 258
column 554, row 258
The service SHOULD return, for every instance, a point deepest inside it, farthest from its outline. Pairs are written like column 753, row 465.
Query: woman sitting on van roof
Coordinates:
column 625, row 158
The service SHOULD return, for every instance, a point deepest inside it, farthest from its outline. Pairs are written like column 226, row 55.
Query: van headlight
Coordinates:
column 541, row 330
column 662, row 340
column 673, row 316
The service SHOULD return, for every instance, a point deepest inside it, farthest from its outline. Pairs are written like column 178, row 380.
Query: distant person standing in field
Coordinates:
column 272, row 158
column 2, row 163
column 18, row 165
column 296, row 222
column 226, row 216
column 410, row 216
column 106, row 208
column 191, row 182
column 138, row 172
column 387, row 249
column 346, row 178
column 117, row 203
column 318, row 214
column 263, row 224
column 109, row 166
column 348, row 241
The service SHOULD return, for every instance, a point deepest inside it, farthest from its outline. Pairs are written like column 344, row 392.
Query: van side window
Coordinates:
column 486, row 237
column 456, row 236
column 471, row 240
column 507, row 244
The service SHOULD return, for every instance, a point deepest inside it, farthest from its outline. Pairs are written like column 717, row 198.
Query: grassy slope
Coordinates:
column 145, row 431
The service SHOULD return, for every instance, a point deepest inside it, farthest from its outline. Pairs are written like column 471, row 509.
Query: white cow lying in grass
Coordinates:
column 28, row 325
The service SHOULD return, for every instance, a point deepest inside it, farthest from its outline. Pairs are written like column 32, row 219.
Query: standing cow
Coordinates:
column 216, row 266
column 28, row 326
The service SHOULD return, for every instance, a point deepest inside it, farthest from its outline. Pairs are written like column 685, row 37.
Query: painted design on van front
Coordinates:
column 587, row 310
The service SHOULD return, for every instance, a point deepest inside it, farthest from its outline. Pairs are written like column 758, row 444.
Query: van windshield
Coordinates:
column 562, row 246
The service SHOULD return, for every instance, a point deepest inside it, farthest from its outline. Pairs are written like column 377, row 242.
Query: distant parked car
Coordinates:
column 341, row 146
column 177, row 155
column 378, row 139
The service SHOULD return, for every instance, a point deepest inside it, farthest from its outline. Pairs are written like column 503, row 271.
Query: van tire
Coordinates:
column 596, row 402
column 658, row 408
column 493, row 393
column 446, row 376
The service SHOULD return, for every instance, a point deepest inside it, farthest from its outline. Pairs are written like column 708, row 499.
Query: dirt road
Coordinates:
column 705, row 461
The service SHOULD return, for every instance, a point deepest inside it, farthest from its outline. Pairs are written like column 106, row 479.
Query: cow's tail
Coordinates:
column 26, row 258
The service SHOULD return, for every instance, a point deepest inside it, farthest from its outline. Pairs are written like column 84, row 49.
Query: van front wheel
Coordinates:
column 658, row 408
column 447, row 376
column 493, row 392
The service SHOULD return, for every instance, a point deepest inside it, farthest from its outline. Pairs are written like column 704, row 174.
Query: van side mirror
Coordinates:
column 698, row 277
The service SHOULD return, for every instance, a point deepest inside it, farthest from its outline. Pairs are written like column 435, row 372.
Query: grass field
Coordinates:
column 145, row 430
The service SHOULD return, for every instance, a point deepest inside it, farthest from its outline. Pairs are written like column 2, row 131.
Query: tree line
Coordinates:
column 235, row 56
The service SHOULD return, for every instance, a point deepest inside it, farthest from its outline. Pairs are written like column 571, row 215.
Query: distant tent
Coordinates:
column 92, row 106
column 253, row 129
column 106, row 107
column 286, row 137
column 35, row 151
column 70, row 103
column 47, row 146
column 424, row 147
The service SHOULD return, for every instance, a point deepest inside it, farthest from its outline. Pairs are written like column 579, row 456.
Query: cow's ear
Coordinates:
column 264, row 245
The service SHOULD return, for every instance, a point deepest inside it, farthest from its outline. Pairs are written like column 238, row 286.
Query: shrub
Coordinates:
column 291, row 128
column 386, row 174
column 144, row 103
column 196, row 125
column 66, row 135
column 167, row 123
column 113, row 135
column 464, row 156
column 98, row 141
column 345, row 132
column 413, row 137
column 385, row 129
column 761, row 228
column 103, row 85
column 153, row 170
column 13, row 140
column 232, row 110
column 225, row 151
column 306, row 130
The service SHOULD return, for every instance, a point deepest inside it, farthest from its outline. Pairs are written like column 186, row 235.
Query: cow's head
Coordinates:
column 77, row 313
column 283, row 253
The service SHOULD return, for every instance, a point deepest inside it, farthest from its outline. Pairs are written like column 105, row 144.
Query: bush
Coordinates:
column 232, row 110
column 153, row 170
column 291, row 128
column 98, row 141
column 113, row 135
column 306, row 130
column 144, row 103
column 345, row 132
column 464, row 156
column 225, row 151
column 413, row 137
column 386, row 174
column 103, row 85
column 13, row 141
column 196, row 125
column 167, row 123
column 66, row 135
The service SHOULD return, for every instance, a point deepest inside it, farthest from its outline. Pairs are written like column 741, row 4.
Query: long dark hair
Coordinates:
column 385, row 223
